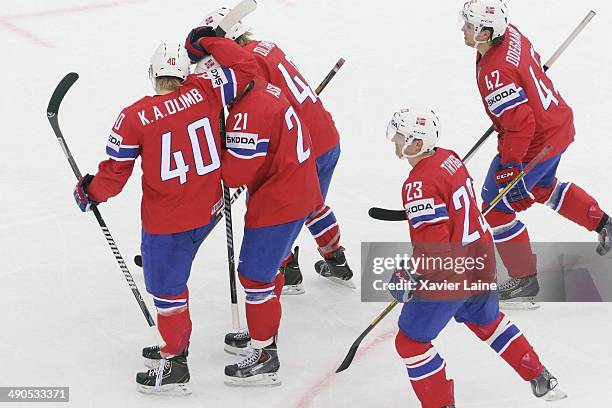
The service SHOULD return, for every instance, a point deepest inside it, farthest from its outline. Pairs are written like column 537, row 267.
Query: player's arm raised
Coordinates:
column 238, row 66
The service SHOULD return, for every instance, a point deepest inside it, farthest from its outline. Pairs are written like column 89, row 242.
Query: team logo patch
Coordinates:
column 114, row 141
column 241, row 140
column 505, row 98
column 419, row 208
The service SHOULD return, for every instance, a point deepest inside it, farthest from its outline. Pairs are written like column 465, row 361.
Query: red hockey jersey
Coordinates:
column 177, row 137
column 526, row 109
column 276, row 69
column 446, row 224
column 269, row 151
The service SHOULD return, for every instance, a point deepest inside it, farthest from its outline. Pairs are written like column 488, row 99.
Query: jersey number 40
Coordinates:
column 181, row 168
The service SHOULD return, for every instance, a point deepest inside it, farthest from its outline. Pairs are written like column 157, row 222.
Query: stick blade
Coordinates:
column 383, row 214
column 348, row 359
column 239, row 11
column 60, row 91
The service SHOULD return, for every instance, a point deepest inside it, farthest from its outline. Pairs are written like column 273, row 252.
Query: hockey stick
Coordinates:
column 353, row 349
column 229, row 235
column 219, row 215
column 52, row 114
column 590, row 15
column 238, row 12
column 384, row 214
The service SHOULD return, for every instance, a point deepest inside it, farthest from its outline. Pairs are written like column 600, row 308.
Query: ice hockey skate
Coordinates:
column 259, row 368
column 336, row 269
column 170, row 377
column 238, row 343
column 605, row 237
column 519, row 293
column 293, row 275
column 546, row 386
column 151, row 355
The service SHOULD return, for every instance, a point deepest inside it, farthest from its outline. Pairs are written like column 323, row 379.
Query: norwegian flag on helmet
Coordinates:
column 209, row 20
column 421, row 121
column 489, row 10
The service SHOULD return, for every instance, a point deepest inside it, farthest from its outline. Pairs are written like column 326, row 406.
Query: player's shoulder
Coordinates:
column 138, row 105
column 263, row 48
column 129, row 114
column 264, row 96
column 431, row 167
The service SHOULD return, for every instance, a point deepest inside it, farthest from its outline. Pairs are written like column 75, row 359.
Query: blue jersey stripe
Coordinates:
column 441, row 212
column 520, row 98
column 124, row 152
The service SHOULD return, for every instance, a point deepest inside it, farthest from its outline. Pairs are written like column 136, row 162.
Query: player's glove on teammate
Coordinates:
column 80, row 193
column 402, row 284
column 519, row 198
column 195, row 50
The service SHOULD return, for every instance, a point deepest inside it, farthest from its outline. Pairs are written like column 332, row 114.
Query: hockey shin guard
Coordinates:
column 427, row 372
column 507, row 340
column 513, row 244
column 325, row 230
column 174, row 322
column 263, row 311
column 571, row 202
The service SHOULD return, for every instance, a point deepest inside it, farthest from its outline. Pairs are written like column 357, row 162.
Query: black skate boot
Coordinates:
column 293, row 275
column 605, row 235
column 170, row 377
column 519, row 293
column 238, row 343
column 152, row 355
column 336, row 269
column 545, row 386
column 257, row 369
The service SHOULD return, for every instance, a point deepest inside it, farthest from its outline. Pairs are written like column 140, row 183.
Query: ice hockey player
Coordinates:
column 176, row 134
column 528, row 113
column 442, row 212
column 277, row 69
column 268, row 150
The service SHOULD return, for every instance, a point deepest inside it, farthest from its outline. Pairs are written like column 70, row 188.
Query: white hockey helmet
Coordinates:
column 213, row 19
column 415, row 124
column 482, row 14
column 170, row 59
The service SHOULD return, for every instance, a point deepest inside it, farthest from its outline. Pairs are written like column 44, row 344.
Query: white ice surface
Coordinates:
column 67, row 317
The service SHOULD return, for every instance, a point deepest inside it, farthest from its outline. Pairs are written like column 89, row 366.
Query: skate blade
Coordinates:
column 258, row 380
column 348, row 283
column 292, row 290
column 554, row 395
column 237, row 351
column 169, row 390
column 519, row 304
